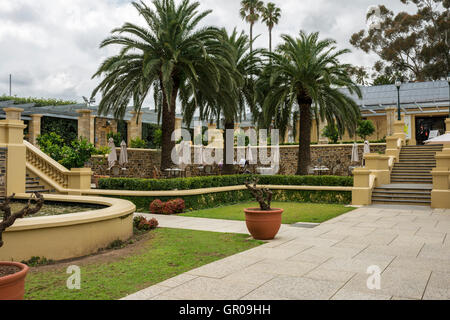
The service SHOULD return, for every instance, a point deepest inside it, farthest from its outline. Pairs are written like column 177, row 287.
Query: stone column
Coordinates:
column 390, row 120
column 11, row 138
column 135, row 126
column 92, row 127
column 84, row 124
column 35, row 128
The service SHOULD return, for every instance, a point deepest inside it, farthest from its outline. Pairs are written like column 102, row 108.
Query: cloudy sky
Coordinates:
column 51, row 46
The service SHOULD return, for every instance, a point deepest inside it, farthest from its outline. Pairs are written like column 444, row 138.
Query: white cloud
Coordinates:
column 51, row 46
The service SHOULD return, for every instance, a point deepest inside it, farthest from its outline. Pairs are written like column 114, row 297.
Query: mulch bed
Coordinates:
column 8, row 270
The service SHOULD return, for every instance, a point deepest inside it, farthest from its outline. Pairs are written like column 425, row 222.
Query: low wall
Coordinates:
column 69, row 236
column 335, row 157
column 141, row 163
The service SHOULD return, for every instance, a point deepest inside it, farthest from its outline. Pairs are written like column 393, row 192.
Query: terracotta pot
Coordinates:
column 12, row 287
column 263, row 225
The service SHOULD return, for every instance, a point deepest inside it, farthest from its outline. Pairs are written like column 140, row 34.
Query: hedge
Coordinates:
column 219, row 181
column 212, row 200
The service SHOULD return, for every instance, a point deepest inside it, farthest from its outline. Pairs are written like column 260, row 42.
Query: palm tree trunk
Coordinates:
column 304, row 150
column 251, row 36
column 168, row 127
column 228, row 168
column 270, row 41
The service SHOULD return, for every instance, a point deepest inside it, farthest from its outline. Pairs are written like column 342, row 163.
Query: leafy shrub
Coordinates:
column 138, row 143
column 365, row 129
column 157, row 139
column 180, row 205
column 219, row 181
column 73, row 156
column 156, row 207
column 169, row 208
column 331, row 132
column 78, row 154
column 38, row 102
column 213, row 200
column 102, row 151
column 142, row 224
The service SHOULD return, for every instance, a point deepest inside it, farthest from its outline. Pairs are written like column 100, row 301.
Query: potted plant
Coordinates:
column 264, row 222
column 12, row 274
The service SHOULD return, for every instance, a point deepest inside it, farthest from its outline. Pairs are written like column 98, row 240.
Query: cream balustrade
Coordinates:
column 54, row 174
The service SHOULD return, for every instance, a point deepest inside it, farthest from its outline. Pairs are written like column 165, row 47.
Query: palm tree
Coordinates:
column 170, row 53
column 237, row 88
column 250, row 12
column 271, row 16
column 306, row 72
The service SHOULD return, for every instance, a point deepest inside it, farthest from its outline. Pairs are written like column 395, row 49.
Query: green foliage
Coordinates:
column 138, row 143
column 117, row 136
column 331, row 132
column 76, row 155
column 413, row 44
column 38, row 261
column 70, row 156
column 365, row 129
column 102, row 151
column 219, row 181
column 157, row 139
column 213, row 200
column 66, row 128
column 39, row 102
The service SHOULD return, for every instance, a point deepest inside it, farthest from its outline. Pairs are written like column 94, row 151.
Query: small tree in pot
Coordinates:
column 12, row 274
column 264, row 222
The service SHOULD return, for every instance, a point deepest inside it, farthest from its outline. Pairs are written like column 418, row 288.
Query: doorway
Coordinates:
column 425, row 125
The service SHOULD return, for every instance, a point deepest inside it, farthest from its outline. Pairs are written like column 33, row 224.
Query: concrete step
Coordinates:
column 403, row 202
column 401, row 198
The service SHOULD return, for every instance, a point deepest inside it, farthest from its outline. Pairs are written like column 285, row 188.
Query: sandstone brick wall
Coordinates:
column 335, row 157
column 140, row 164
column 102, row 129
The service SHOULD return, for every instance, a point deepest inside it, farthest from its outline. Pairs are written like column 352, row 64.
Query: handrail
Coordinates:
column 39, row 161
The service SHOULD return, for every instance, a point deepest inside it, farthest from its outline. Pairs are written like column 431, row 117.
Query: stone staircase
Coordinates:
column 411, row 179
column 32, row 185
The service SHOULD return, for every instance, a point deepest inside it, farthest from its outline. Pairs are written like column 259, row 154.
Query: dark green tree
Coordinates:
column 306, row 71
column 416, row 46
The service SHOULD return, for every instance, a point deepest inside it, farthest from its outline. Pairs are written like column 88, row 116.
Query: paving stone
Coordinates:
column 291, row 268
column 346, row 294
column 426, row 264
column 274, row 253
column 438, row 287
column 356, row 265
column 211, row 289
column 333, row 252
column 394, row 250
column 225, row 267
column 178, row 280
column 295, row 288
column 310, row 258
column 330, row 275
column 148, row 293
column 258, row 278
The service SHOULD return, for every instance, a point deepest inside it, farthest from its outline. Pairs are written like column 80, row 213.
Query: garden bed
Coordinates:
column 56, row 208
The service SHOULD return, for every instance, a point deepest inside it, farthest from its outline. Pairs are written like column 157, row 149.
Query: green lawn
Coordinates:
column 168, row 253
column 293, row 212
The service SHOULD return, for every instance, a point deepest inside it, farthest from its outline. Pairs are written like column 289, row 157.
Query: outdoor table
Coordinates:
column 320, row 171
column 173, row 173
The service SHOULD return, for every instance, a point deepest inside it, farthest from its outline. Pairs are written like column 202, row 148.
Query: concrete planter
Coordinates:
column 263, row 225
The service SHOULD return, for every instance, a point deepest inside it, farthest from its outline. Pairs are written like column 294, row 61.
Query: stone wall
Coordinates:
column 3, row 153
column 142, row 162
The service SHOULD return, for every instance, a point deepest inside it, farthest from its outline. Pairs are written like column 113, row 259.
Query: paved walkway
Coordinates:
column 409, row 245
